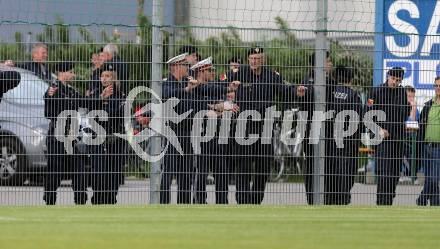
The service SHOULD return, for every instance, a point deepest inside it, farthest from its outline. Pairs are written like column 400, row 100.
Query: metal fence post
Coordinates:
column 156, row 78
column 320, row 99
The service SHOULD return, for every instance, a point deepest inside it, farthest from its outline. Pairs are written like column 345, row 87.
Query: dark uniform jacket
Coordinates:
column 207, row 94
column 65, row 98
column 231, row 75
column 211, row 92
column 197, row 99
column 258, row 92
column 171, row 87
column 394, row 102
column 95, row 79
column 122, row 70
column 121, row 67
column 113, row 105
column 343, row 98
column 307, row 102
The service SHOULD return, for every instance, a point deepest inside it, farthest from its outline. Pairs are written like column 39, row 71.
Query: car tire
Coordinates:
column 12, row 162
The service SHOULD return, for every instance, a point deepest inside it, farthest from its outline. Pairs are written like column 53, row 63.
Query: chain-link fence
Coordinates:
column 220, row 102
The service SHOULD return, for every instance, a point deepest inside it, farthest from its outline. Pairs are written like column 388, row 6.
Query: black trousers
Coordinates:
column 108, row 162
column 253, row 169
column 340, row 171
column 339, row 174
column 253, row 166
column 211, row 159
column 389, row 156
column 179, row 166
column 61, row 166
column 308, row 172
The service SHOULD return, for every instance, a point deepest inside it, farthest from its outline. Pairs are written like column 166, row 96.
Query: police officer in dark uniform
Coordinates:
column 390, row 98
column 108, row 159
column 210, row 97
column 60, row 97
column 174, row 164
column 341, row 162
column 306, row 103
column 258, row 90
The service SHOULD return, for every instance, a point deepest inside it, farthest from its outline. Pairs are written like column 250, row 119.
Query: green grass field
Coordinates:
column 218, row 227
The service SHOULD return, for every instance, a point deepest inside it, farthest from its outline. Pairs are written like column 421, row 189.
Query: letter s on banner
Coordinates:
column 403, row 27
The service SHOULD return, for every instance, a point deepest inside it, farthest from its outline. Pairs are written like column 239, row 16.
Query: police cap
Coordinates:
column 202, row 65
column 396, row 72
column 178, row 59
column 255, row 50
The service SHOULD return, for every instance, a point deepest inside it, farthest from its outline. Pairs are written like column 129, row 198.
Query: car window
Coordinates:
column 30, row 91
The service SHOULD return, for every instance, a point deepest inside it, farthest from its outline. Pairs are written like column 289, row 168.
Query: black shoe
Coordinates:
column 81, row 202
column 421, row 201
column 50, row 199
column 96, row 199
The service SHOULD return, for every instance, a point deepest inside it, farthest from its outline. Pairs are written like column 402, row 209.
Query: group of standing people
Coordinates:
column 105, row 92
column 250, row 87
column 107, row 159
column 255, row 87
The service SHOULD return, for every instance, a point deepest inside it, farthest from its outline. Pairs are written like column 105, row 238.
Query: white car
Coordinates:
column 23, row 129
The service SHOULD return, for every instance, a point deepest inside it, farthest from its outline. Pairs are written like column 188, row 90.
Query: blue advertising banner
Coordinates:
column 408, row 35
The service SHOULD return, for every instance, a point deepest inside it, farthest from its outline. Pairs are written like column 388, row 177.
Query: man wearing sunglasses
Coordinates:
column 390, row 98
column 210, row 97
column 428, row 148
column 180, row 86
